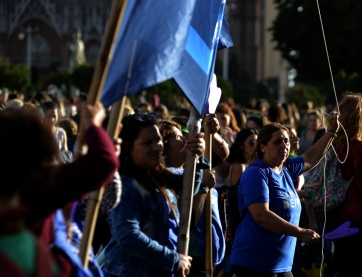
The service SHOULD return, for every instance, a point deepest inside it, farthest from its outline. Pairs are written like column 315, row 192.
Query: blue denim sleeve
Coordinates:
column 134, row 232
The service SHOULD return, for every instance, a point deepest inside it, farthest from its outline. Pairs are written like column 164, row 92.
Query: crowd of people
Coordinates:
column 261, row 155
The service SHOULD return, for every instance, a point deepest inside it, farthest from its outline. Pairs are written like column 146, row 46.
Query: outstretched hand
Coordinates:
column 333, row 122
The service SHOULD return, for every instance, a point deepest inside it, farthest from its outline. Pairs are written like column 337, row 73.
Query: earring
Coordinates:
column 262, row 150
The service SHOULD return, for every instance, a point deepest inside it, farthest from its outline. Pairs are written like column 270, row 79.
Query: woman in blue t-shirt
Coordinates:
column 265, row 239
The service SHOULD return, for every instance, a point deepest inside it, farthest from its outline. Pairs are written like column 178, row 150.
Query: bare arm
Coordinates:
column 235, row 172
column 274, row 223
column 219, row 146
column 208, row 179
column 316, row 152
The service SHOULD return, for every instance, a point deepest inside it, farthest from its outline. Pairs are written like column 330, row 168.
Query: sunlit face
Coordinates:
column 175, row 147
column 224, row 119
column 50, row 117
column 277, row 149
column 249, row 146
column 294, row 140
column 147, row 148
column 313, row 122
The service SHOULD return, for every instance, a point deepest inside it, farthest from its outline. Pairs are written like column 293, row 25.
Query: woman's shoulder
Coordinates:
column 235, row 172
column 128, row 182
column 257, row 166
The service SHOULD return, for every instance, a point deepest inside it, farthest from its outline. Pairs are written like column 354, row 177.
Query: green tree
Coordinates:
column 14, row 76
column 82, row 76
column 302, row 92
column 298, row 35
column 60, row 77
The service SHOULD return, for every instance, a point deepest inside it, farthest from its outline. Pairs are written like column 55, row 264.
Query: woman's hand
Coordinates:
column 184, row 266
column 196, row 144
column 308, row 236
column 211, row 121
column 332, row 122
column 208, row 178
column 92, row 115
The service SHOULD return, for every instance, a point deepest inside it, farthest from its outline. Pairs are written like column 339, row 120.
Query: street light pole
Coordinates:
column 28, row 31
column 27, row 34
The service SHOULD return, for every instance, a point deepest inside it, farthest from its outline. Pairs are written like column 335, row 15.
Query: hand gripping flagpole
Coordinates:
column 209, row 267
column 194, row 127
column 98, row 81
column 214, row 98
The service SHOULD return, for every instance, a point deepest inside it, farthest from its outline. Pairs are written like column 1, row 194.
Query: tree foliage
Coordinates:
column 82, row 76
column 59, row 77
column 301, row 92
column 14, row 76
column 298, row 35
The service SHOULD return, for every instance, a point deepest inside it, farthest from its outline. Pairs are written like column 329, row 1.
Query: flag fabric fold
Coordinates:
column 149, row 46
column 202, row 43
column 225, row 37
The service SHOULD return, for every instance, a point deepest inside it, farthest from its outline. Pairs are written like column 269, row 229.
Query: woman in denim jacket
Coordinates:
column 144, row 225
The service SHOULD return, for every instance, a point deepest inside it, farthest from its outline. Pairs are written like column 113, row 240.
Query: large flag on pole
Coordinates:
column 149, row 46
column 200, row 52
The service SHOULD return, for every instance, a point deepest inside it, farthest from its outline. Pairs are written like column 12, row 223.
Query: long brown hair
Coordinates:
column 132, row 126
column 225, row 108
column 350, row 109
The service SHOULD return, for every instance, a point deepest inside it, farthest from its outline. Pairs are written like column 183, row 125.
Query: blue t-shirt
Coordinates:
column 254, row 246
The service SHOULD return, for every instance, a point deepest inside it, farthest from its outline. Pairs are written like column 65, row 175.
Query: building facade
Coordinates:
column 38, row 32
column 249, row 22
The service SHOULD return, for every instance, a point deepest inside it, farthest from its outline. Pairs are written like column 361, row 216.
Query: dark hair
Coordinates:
column 182, row 121
column 23, row 157
column 276, row 113
column 264, row 137
column 236, row 153
column 48, row 105
column 257, row 118
column 132, row 126
column 83, row 97
column 160, row 108
column 166, row 129
column 240, row 117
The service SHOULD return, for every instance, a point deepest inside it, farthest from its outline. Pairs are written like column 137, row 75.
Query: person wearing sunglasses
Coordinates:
column 144, row 226
column 265, row 240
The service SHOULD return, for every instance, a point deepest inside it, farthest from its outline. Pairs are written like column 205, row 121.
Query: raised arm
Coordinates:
column 219, row 146
column 316, row 152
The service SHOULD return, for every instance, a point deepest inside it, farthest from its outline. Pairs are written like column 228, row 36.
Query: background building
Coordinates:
column 249, row 22
column 38, row 33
